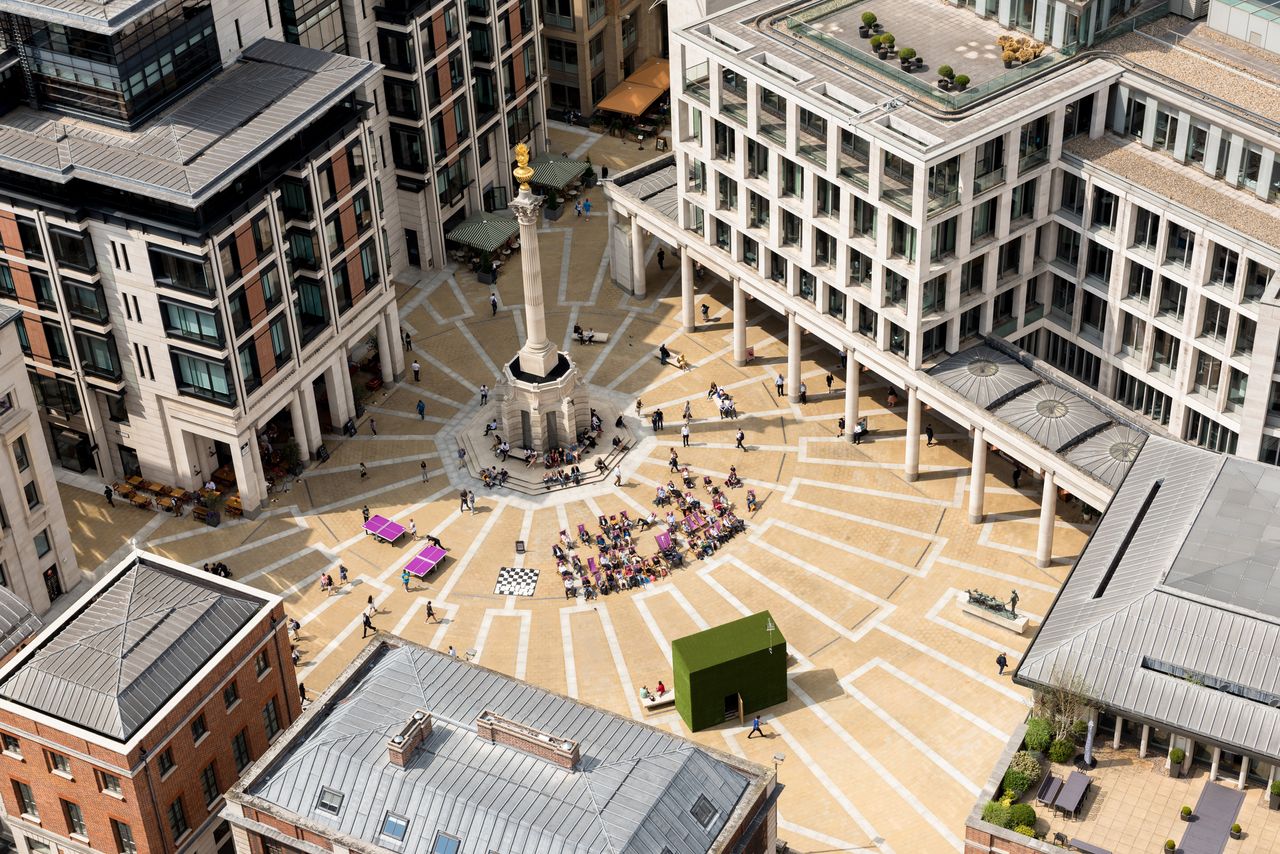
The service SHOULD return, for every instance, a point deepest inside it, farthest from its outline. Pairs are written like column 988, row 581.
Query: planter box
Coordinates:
column 486, row 278
column 1274, row 802
column 553, row 214
column 1017, row 626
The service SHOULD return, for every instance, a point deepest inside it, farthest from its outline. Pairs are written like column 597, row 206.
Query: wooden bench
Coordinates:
column 1085, row 847
column 668, row 698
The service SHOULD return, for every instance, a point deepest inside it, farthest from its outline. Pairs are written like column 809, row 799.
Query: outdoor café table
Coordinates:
column 425, row 561
column 176, row 492
column 383, row 529
column 135, row 481
column 1073, row 792
column 153, row 487
column 140, row 501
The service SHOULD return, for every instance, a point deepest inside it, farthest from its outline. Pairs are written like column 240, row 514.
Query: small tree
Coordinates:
column 1039, row 735
column 907, row 53
column 1062, row 750
column 887, row 39
column 868, row 19
column 961, row 81
column 998, row 814
column 1063, row 703
column 945, row 71
column 1023, row 814
column 875, row 42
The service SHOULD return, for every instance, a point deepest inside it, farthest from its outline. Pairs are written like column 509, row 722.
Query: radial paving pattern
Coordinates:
column 896, row 713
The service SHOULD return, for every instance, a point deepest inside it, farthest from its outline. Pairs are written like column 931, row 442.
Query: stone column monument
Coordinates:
column 543, row 398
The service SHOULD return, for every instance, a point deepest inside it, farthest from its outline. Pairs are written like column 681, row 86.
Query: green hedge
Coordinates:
column 1023, row 814
column 1061, row 750
column 1039, row 735
column 998, row 814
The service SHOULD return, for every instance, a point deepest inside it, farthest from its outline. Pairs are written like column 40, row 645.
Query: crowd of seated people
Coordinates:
column 493, row 476
column 617, row 563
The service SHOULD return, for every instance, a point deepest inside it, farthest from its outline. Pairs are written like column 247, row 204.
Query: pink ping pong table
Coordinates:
column 383, row 529
column 425, row 561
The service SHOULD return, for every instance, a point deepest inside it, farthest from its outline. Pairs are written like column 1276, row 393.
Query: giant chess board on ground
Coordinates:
column 516, row 581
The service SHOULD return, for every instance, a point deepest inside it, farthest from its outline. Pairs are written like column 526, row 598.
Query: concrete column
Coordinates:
column 911, row 468
column 1189, row 748
column 1244, row 773
column 1146, row 737
column 637, row 259
column 1048, row 510
column 397, row 349
column 852, row 389
column 336, row 386
column 300, row 434
column 310, row 416
column 978, row 476
column 1213, row 764
column 793, row 357
column 384, row 350
column 688, row 318
column 1115, row 739
column 739, row 324
column 244, row 452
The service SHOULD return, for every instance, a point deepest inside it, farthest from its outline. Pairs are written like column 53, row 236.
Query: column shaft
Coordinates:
column 1244, row 773
column 687, row 315
column 978, row 476
column 793, row 357
column 1048, row 511
column 300, row 434
column 1115, row 740
column 852, row 388
column 912, row 464
column 397, row 348
column 638, row 289
column 310, row 416
column 384, row 350
column 739, row 324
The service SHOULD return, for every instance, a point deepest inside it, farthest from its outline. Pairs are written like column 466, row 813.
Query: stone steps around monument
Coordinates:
column 528, row 481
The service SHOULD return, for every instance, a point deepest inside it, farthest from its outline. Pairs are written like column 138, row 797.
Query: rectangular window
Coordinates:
column 1140, row 279
column 230, row 695
column 20, row 457
column 240, row 750
column 1214, row 320
column 984, row 221
column 75, row 819
column 271, row 719
column 203, row 378
column 124, row 838
column 261, row 663
column 446, row 844
column 26, row 800
column 209, row 784
column 1180, row 246
column 395, row 826
column 166, row 762
column 11, row 744
column 199, row 728
column 177, row 820
column 109, row 783
column 1173, row 298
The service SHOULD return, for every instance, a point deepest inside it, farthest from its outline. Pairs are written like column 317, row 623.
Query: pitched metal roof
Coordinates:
column 985, row 376
column 97, row 16
column 1053, row 416
column 632, row 791
column 17, row 621
column 1171, row 614
column 126, row 650
column 1108, row 453
column 653, row 183
column 202, row 143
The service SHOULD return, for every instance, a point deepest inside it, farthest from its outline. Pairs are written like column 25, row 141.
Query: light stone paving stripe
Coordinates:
column 566, row 260
column 566, row 640
column 599, row 280
column 968, row 671
column 664, row 646
column 447, row 371
column 805, row 533
column 942, row 700
column 829, row 785
column 409, row 413
column 302, row 583
column 788, row 498
column 486, row 623
column 982, row 570
column 620, row 664
column 465, row 560
column 449, row 612
column 640, row 363
column 285, row 561
column 383, row 592
column 894, row 784
column 875, row 493
column 392, row 461
column 298, row 527
column 396, row 517
column 363, row 498
column 783, row 593
column 568, row 328
column 828, row 577
column 462, row 300
column 603, row 356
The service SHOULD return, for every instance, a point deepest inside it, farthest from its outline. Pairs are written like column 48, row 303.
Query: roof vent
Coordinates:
column 499, row 730
column 402, row 745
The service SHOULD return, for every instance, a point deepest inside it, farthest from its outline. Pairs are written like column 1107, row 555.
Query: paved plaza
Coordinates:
column 896, row 715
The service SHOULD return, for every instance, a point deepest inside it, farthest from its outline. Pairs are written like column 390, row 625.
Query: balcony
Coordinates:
column 1032, row 158
column 697, row 83
column 895, row 188
column 987, row 180
column 941, row 201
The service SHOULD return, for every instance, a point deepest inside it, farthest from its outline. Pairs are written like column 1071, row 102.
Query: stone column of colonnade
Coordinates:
column 638, row 288
column 739, row 324
column 793, row 357
column 852, row 388
column 978, row 476
column 1048, row 510
column 912, row 464
column 688, row 318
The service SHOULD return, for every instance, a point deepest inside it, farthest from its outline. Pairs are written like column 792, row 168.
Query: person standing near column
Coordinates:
column 417, row 370
column 780, row 384
column 684, row 435
column 484, row 394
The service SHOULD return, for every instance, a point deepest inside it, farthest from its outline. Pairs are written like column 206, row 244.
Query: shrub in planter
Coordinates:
column 1025, row 763
column 1008, row 57
column 945, row 71
column 1016, row 782
column 944, row 84
column 1275, row 796
column 961, row 81
column 887, row 40
column 875, row 42
column 1177, row 756
column 1061, row 750
column 906, row 55
column 1025, row 830
column 868, row 19
column 1023, row 814
column 1170, row 845
column 1185, row 812
column 998, row 814
column 1025, row 55
column 1236, row 831
column 1039, row 735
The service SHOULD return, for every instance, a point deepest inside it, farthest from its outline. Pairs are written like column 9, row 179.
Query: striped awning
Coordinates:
column 556, row 172
column 485, row 231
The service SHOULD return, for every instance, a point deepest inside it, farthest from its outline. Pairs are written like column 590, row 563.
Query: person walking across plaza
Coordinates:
column 1002, row 662
column 404, row 579
column 662, row 421
column 413, row 530
column 688, row 410
column 106, row 493
column 373, row 426
column 366, row 625
column 493, row 304
column 417, row 370
column 662, row 257
column 804, row 392
column 674, row 461
column 462, row 458
column 830, row 380
column 471, row 502
column 586, row 209
column 364, row 511
column 431, row 613
column 462, row 499
column 484, row 394
column 364, row 471
column 423, row 466
column 408, row 342
column 684, row 435
column 755, row 728
column 740, row 437
column 779, row 383
column 422, row 411
column 928, row 435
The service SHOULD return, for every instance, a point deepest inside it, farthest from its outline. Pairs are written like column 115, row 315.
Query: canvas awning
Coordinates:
column 485, row 231
column 631, row 99
column 556, row 172
column 655, row 72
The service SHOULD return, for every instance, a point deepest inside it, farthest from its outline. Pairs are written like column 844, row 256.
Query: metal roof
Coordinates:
column 653, row 183
column 632, row 790
column 97, row 16
column 985, row 376
column 1053, row 416
column 198, row 146
column 1171, row 614
column 17, row 621
column 128, row 649
column 1108, row 453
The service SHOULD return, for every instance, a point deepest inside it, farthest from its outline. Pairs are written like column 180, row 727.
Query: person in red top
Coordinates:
column 662, row 689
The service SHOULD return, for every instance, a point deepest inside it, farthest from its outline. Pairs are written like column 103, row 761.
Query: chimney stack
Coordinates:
column 401, row 746
column 499, row 730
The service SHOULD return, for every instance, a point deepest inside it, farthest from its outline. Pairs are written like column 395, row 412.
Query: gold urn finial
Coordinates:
column 523, row 172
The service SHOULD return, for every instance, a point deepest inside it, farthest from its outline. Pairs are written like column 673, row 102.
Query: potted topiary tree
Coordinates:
column 1236, row 832
column 1025, row 55
column 875, row 44
column 1008, row 57
column 1170, row 845
column 1275, row 796
column 944, row 78
column 1176, row 757
column 961, row 81
column 484, row 269
column 1185, row 812
column 868, row 21
column 905, row 56
column 886, row 41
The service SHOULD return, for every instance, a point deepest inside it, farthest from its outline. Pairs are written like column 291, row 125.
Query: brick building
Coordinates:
column 414, row 751
column 124, row 722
